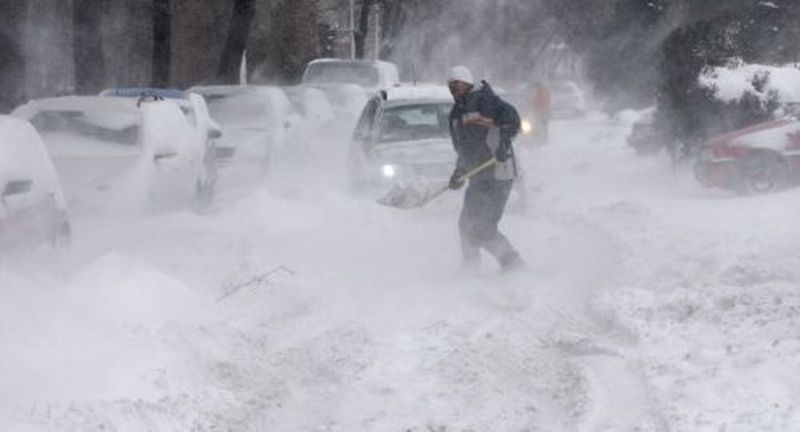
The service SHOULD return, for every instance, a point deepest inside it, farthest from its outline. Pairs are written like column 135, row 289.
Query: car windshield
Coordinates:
column 120, row 128
column 249, row 110
column 415, row 122
column 362, row 74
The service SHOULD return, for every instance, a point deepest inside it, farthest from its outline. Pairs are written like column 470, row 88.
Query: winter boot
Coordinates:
column 511, row 262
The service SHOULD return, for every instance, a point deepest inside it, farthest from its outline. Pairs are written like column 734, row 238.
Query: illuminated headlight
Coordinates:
column 389, row 171
column 526, row 126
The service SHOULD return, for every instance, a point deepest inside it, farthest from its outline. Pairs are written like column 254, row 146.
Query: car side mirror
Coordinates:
column 163, row 155
column 164, row 151
column 17, row 187
column 214, row 134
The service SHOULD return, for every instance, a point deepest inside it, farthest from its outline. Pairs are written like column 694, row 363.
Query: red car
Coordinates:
column 758, row 159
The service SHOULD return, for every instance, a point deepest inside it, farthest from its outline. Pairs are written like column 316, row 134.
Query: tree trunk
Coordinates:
column 12, row 54
column 363, row 27
column 88, row 55
column 162, row 43
column 236, row 43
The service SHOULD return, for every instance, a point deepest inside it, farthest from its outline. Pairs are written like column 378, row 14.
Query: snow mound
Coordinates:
column 131, row 292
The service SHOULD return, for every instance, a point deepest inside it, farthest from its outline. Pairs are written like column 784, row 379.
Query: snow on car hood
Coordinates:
column 773, row 138
column 423, row 152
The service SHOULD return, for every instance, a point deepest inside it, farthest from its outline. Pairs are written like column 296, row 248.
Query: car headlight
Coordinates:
column 526, row 126
column 389, row 171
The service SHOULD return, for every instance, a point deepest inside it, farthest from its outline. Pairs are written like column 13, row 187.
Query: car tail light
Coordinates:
column 729, row 152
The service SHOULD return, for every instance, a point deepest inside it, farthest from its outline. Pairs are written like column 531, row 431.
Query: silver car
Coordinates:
column 400, row 140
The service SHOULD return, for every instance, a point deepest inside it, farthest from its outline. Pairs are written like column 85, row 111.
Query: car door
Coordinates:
column 168, row 143
column 363, row 136
column 208, row 131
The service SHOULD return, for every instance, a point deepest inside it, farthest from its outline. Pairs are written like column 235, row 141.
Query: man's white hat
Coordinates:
column 461, row 73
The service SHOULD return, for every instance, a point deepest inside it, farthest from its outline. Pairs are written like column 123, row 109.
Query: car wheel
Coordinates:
column 765, row 172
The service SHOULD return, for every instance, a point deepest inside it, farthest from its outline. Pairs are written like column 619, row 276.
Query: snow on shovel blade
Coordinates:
column 410, row 194
column 418, row 193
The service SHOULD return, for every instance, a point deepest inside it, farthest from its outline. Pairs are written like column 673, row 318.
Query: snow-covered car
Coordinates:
column 644, row 137
column 311, row 104
column 253, row 119
column 402, row 137
column 348, row 84
column 32, row 207
column 120, row 153
column 758, row 159
column 207, row 132
column 315, row 124
column 568, row 100
column 372, row 76
column 346, row 100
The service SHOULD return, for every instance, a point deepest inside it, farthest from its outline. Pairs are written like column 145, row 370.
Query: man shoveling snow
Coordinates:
column 482, row 127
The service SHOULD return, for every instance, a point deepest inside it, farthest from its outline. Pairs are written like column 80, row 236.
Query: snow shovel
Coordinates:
column 412, row 196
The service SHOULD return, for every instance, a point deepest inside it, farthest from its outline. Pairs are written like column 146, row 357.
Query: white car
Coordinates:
column 315, row 122
column 253, row 119
column 32, row 207
column 207, row 132
column 120, row 153
column 404, row 137
column 311, row 104
column 372, row 76
column 348, row 84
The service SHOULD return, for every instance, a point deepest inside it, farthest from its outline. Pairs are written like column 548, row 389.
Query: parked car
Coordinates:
column 32, row 207
column 315, row 126
column 311, row 104
column 120, row 153
column 758, row 159
column 207, row 132
column 253, row 119
column 372, row 76
column 402, row 137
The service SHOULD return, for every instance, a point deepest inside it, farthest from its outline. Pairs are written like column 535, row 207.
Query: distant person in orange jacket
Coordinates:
column 542, row 108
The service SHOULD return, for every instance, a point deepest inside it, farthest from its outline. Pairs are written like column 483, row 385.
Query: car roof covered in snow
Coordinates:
column 420, row 101
column 420, row 91
column 351, row 61
column 81, row 103
column 233, row 89
column 146, row 92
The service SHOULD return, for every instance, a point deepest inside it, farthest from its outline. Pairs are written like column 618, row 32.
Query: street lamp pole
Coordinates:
column 352, row 29
column 377, row 31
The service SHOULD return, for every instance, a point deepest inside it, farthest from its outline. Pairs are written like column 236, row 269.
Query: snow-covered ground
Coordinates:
column 648, row 303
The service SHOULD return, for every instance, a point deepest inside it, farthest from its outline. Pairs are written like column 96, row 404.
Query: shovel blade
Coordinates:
column 410, row 195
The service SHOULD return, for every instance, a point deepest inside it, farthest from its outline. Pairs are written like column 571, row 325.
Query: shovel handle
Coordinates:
column 477, row 170
column 471, row 173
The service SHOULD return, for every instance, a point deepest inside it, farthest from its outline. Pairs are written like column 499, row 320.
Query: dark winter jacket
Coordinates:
column 476, row 144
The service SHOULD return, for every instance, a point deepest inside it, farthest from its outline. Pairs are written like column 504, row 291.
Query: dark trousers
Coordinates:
column 484, row 203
